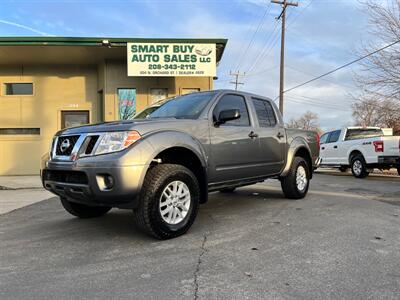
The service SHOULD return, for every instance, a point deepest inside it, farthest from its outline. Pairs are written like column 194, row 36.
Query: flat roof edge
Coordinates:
column 98, row 40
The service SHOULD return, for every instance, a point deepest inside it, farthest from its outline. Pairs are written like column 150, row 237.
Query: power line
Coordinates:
column 327, row 80
column 253, row 36
column 300, row 13
column 321, row 105
column 341, row 67
column 269, row 44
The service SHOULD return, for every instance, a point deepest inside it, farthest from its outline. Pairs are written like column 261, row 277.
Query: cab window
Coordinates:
column 334, row 136
column 324, row 138
column 233, row 102
column 265, row 113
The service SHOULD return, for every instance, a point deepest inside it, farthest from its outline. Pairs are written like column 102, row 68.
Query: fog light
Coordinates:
column 108, row 182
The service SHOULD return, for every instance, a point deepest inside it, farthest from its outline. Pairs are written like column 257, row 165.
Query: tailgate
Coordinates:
column 391, row 145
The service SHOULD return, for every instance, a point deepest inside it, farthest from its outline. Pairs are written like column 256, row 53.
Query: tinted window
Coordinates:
column 324, row 138
column 265, row 113
column 184, row 107
column 334, row 136
column 233, row 102
column 353, row 134
column 18, row 88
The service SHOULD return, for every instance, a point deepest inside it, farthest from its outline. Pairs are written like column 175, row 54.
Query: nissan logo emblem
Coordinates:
column 65, row 145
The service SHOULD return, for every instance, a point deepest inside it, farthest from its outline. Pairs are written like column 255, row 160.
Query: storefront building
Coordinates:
column 50, row 83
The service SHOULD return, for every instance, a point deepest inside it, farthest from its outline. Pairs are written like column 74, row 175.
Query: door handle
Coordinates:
column 253, row 135
column 334, row 147
column 279, row 135
column 323, row 148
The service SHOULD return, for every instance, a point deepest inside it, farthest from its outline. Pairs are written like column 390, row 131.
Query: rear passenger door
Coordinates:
column 271, row 136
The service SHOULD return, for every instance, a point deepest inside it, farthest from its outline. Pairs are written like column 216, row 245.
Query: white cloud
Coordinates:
column 23, row 27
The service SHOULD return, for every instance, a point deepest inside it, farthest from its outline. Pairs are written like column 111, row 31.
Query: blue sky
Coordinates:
column 321, row 34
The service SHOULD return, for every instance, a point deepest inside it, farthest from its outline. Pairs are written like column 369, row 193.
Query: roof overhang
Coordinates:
column 79, row 50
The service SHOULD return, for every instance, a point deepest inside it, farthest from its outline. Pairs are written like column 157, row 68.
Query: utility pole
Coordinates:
column 236, row 82
column 282, row 16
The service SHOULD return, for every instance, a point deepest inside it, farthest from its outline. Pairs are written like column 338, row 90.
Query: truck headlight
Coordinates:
column 116, row 141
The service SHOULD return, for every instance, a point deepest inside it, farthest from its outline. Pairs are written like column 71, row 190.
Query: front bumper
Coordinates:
column 83, row 182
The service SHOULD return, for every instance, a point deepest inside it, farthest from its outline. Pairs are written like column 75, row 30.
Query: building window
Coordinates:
column 19, row 131
column 73, row 118
column 126, row 103
column 156, row 95
column 14, row 89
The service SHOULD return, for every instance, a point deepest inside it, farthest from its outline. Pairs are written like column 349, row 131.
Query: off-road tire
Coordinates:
column 227, row 190
column 147, row 215
column 343, row 169
column 364, row 171
column 288, row 183
column 83, row 211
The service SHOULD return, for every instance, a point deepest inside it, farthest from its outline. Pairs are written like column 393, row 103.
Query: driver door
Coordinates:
column 233, row 149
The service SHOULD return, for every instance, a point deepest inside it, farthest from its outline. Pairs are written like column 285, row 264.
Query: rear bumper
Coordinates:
column 386, row 162
column 85, row 184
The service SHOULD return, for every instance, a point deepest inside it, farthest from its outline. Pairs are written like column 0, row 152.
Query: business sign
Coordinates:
column 162, row 59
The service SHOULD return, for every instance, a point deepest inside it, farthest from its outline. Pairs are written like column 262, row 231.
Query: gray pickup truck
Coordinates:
column 163, row 167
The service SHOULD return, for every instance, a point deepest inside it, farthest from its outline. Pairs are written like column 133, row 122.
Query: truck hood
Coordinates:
column 142, row 126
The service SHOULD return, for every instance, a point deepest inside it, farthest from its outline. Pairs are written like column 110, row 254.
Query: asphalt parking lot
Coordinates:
column 342, row 241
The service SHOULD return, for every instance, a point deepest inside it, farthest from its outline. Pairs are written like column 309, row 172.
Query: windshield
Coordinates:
column 145, row 113
column 184, row 107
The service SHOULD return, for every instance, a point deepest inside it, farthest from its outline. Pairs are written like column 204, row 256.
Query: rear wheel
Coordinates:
column 83, row 211
column 168, row 202
column 359, row 167
column 295, row 184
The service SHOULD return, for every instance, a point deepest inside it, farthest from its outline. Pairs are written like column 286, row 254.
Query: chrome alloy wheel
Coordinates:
column 175, row 202
column 357, row 167
column 301, row 178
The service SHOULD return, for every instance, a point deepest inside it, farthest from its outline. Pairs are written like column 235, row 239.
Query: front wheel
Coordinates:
column 168, row 202
column 295, row 184
column 359, row 167
column 83, row 211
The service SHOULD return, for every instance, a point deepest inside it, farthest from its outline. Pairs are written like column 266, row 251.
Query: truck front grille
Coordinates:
column 65, row 144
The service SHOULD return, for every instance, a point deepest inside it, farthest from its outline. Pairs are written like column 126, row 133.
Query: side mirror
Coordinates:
column 227, row 115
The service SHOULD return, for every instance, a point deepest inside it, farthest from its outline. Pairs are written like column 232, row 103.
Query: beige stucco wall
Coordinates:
column 56, row 88
column 68, row 87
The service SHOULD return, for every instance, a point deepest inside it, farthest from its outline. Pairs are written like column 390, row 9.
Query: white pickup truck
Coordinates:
column 360, row 148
